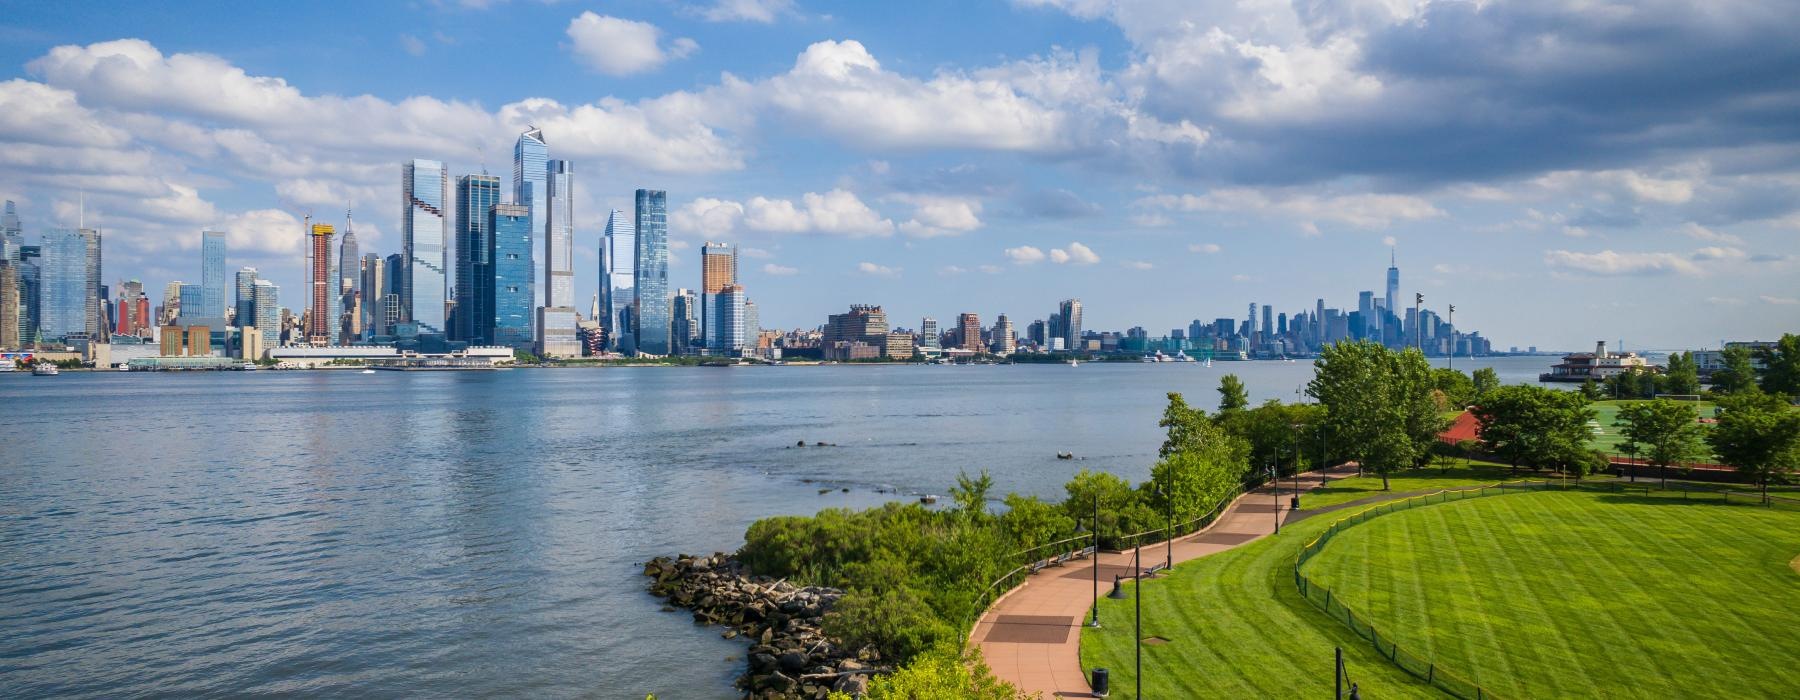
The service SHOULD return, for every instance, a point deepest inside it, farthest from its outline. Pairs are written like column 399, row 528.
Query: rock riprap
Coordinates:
column 790, row 655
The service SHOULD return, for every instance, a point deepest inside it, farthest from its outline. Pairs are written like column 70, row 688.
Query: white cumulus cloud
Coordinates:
column 874, row 270
column 616, row 46
column 1025, row 255
column 779, row 270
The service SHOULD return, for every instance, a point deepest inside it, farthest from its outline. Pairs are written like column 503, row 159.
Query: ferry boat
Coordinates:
column 7, row 365
column 1597, row 365
column 44, row 369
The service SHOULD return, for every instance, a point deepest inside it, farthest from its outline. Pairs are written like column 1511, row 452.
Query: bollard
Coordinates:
column 1102, row 684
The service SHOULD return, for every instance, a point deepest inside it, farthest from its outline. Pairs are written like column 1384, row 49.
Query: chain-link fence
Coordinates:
column 1424, row 669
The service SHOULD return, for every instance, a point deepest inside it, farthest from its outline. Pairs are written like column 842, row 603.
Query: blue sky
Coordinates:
column 1561, row 172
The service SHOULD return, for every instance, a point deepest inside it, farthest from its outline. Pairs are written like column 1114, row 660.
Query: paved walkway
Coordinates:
column 1031, row 637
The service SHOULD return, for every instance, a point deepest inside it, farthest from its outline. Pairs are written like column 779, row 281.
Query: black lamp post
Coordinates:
column 1096, row 562
column 1137, row 624
column 1168, row 528
column 1273, row 481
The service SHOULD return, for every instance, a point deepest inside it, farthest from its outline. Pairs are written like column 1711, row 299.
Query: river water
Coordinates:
column 477, row 533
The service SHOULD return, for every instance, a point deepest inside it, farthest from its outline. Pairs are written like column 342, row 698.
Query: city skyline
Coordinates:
column 1196, row 200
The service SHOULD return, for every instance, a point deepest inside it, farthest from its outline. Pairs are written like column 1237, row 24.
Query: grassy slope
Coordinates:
column 1238, row 629
column 1346, row 490
column 1577, row 594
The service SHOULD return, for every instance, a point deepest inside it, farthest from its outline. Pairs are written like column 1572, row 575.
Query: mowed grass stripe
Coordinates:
column 1576, row 594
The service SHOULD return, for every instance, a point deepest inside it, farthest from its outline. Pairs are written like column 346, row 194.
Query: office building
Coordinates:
column 426, row 185
column 556, row 320
column 245, row 300
column 69, row 305
column 899, row 346
column 12, row 234
column 212, row 274
column 349, row 286
column 650, row 316
column 509, row 247
column 322, row 300
column 475, row 195
column 618, row 271
column 9, row 301
column 864, row 322
column 928, row 333
column 1004, row 342
column 1069, row 313
column 725, row 328
column 1268, row 325
column 1390, row 334
column 752, row 324
column 530, row 158
column 268, row 312
column 968, row 332
column 685, row 320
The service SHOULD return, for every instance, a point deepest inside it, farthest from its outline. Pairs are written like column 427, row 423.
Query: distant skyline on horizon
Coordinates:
column 1561, row 174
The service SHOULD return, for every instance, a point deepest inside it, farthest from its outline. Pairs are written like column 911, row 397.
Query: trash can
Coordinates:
column 1294, row 502
column 1102, row 685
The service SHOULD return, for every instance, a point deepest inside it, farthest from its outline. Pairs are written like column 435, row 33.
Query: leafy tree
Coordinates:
column 1455, row 389
column 1682, row 376
column 1662, row 431
column 895, row 621
column 1187, row 484
column 1183, row 423
column 1378, row 403
column 1271, row 434
column 1122, row 508
column 1232, row 395
column 1484, row 381
column 971, row 493
column 1738, row 375
column 1781, row 366
column 1760, row 435
column 1534, row 426
column 1591, row 389
column 1031, row 522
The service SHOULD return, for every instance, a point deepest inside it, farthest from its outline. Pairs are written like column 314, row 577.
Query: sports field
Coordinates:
column 1608, row 434
column 1577, row 594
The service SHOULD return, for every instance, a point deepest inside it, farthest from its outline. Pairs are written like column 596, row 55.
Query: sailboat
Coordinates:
column 1074, row 363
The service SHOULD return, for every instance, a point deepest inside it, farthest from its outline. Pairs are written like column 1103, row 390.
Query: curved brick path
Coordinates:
column 1031, row 637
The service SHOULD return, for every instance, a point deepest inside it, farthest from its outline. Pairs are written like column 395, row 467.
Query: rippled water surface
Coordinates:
column 477, row 534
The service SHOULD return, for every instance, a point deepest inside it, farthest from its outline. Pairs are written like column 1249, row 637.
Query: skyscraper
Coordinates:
column 684, row 323
column 475, row 196
column 510, row 277
column 618, row 272
column 651, row 279
column 246, row 297
column 1070, row 313
column 426, row 185
column 530, row 157
column 718, row 270
column 212, row 274
column 374, row 284
column 1004, row 340
column 393, row 295
column 556, row 320
column 70, row 301
column 726, row 327
column 322, row 303
column 31, row 288
column 9, row 302
column 1268, row 325
column 928, row 332
column 12, row 235
column 1390, row 332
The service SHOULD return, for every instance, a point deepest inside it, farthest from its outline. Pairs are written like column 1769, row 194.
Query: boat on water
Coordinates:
column 45, row 369
column 1074, row 363
column 368, row 371
column 7, row 365
column 248, row 367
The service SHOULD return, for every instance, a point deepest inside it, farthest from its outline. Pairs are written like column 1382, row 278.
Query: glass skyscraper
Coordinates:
column 426, row 184
column 475, row 196
column 246, row 297
column 212, row 274
column 193, row 303
column 510, row 276
column 69, row 301
column 530, row 155
column 618, row 273
column 267, row 300
column 651, row 280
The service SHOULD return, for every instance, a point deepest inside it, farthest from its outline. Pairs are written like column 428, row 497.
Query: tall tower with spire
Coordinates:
column 1389, row 329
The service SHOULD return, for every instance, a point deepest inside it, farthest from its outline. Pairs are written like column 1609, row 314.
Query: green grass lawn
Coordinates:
column 1575, row 594
column 1356, row 487
column 1237, row 628
column 1607, row 432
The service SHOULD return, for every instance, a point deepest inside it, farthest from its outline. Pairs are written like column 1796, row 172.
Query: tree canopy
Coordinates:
column 1537, row 427
column 1662, row 431
column 1737, row 375
column 1232, row 396
column 1759, row 434
column 1781, row 366
column 1379, row 404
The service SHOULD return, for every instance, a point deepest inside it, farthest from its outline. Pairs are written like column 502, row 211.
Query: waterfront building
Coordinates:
column 726, row 325
column 531, row 156
column 245, row 314
column 1003, row 341
column 426, row 185
column 187, row 341
column 618, row 271
column 752, row 324
column 212, row 274
column 30, row 293
column 1070, row 314
column 556, row 320
column 511, row 274
column 268, row 312
column 897, row 346
column 475, row 195
column 193, row 302
column 864, row 322
column 393, row 310
column 968, row 333
column 1597, row 365
column 928, row 332
column 403, row 355
column 70, row 294
column 846, row 350
column 322, row 300
column 651, row 280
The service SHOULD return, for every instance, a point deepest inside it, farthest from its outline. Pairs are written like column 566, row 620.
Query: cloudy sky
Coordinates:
column 1561, row 171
